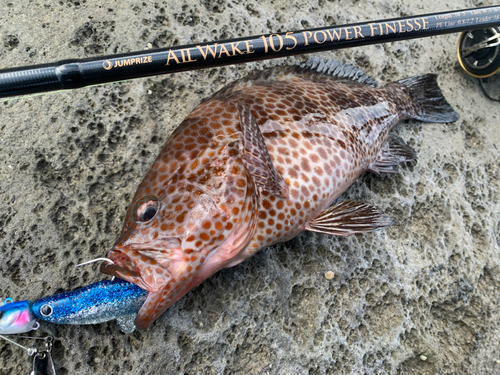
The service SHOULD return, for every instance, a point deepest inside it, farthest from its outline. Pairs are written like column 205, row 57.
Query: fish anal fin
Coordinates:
column 394, row 152
column 348, row 217
column 256, row 155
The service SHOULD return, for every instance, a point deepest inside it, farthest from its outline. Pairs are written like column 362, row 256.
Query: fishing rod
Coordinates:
column 72, row 74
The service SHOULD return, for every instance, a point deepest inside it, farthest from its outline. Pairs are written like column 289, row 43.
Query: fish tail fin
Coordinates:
column 429, row 100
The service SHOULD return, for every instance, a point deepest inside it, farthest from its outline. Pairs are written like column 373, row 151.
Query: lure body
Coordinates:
column 95, row 303
column 16, row 317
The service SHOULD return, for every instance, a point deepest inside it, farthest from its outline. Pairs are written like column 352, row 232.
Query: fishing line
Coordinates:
column 42, row 360
column 485, row 92
column 30, row 351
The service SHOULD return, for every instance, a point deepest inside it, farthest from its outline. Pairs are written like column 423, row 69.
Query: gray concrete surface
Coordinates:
column 421, row 297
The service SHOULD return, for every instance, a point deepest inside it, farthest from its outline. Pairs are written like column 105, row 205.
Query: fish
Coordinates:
column 16, row 317
column 258, row 162
column 95, row 303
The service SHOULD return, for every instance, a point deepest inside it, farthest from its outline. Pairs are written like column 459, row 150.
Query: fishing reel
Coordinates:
column 479, row 55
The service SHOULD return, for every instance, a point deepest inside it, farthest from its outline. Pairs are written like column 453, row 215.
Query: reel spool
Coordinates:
column 479, row 52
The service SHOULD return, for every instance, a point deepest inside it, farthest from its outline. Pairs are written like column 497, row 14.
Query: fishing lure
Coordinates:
column 95, row 303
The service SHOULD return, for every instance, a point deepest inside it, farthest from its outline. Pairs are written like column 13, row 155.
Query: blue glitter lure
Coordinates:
column 94, row 303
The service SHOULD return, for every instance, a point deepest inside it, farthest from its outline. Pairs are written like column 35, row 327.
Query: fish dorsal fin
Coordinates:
column 256, row 155
column 335, row 70
column 313, row 69
column 348, row 217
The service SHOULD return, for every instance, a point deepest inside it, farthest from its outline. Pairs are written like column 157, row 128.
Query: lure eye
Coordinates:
column 147, row 209
column 46, row 310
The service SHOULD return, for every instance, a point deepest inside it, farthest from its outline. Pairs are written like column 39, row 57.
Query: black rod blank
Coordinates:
column 71, row 74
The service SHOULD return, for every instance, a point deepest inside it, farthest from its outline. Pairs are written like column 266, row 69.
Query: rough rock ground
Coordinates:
column 421, row 297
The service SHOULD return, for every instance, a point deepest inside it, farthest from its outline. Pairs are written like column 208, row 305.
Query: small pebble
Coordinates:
column 497, row 361
column 150, row 92
column 329, row 275
column 150, row 46
column 423, row 357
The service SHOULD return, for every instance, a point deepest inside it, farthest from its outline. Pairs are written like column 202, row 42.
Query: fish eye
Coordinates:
column 146, row 209
column 46, row 310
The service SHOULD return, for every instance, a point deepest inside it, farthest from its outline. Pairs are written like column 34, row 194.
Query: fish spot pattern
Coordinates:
column 321, row 134
column 332, row 139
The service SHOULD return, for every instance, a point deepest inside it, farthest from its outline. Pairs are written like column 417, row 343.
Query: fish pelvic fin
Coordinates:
column 394, row 152
column 431, row 105
column 256, row 156
column 348, row 217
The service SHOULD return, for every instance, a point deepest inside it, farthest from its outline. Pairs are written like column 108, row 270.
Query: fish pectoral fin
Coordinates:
column 256, row 156
column 394, row 152
column 348, row 217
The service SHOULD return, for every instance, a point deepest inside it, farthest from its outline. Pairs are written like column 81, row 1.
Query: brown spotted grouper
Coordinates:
column 257, row 163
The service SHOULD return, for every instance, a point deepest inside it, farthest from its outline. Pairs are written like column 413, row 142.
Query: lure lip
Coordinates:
column 17, row 317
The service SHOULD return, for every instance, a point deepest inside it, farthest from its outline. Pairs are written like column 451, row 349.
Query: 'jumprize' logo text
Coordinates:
column 108, row 65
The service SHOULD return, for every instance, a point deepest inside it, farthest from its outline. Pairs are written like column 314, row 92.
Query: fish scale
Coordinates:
column 258, row 162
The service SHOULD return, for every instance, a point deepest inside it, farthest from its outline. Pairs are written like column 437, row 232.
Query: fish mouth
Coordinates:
column 135, row 266
column 148, row 265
